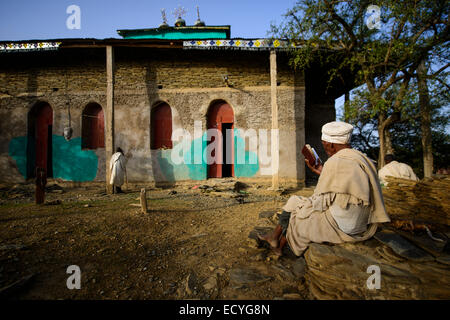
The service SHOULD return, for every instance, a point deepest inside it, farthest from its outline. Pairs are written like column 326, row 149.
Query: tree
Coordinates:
column 335, row 32
column 364, row 117
column 406, row 133
column 407, row 136
column 425, row 115
column 426, row 109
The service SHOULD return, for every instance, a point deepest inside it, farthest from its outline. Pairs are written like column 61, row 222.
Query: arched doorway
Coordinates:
column 161, row 127
column 92, row 127
column 39, row 142
column 221, row 117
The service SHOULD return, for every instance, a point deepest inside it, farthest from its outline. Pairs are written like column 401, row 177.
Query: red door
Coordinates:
column 221, row 118
column 161, row 135
column 100, row 129
column 93, row 127
column 43, row 136
column 96, row 135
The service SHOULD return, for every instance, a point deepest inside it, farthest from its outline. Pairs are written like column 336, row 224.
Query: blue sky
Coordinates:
column 46, row 19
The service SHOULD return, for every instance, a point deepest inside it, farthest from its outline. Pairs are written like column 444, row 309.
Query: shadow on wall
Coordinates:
column 18, row 151
column 162, row 169
column 10, row 170
column 319, row 109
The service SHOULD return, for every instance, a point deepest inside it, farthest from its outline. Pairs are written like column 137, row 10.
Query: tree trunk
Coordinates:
column 381, row 128
column 388, row 140
column 346, row 101
column 425, row 120
column 384, row 135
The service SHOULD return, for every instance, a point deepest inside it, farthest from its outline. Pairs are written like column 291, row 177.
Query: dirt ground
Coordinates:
column 185, row 247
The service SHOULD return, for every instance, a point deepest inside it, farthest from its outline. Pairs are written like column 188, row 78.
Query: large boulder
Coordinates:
column 341, row 272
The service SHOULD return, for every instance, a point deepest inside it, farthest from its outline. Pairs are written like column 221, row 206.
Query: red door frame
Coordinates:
column 44, row 119
column 161, row 127
column 101, row 128
column 93, row 127
column 218, row 114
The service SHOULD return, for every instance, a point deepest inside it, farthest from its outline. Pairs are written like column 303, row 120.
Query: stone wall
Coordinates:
column 188, row 80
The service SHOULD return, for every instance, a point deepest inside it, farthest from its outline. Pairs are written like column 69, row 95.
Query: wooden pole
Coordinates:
column 143, row 200
column 41, row 181
column 274, row 136
column 109, row 116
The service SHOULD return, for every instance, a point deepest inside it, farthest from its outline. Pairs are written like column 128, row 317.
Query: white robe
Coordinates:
column 348, row 179
column 397, row 170
column 118, row 169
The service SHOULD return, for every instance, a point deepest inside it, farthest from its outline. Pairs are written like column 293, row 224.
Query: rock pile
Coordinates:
column 425, row 200
column 344, row 271
column 412, row 264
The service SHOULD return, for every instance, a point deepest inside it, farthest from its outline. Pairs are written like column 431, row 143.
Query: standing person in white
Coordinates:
column 117, row 165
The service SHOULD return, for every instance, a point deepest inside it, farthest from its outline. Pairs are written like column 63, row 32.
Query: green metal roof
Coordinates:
column 178, row 33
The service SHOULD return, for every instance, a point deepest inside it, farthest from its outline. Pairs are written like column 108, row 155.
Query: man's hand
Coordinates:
column 317, row 170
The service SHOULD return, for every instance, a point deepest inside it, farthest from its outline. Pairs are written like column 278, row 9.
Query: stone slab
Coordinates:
column 266, row 214
column 246, row 276
column 299, row 267
column 402, row 247
column 425, row 242
column 284, row 272
column 341, row 272
column 445, row 259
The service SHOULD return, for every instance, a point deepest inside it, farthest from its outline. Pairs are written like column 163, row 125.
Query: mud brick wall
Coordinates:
column 190, row 81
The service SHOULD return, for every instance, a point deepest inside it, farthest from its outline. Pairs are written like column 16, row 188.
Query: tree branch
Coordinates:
column 444, row 83
column 396, row 36
column 437, row 72
column 339, row 19
column 401, row 94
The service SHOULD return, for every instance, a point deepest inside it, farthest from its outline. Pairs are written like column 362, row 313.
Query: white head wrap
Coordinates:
column 337, row 132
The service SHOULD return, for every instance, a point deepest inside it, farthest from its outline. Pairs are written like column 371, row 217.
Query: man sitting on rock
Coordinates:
column 347, row 203
column 395, row 169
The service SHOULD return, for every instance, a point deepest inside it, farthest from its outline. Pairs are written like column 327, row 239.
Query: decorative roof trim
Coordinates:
column 240, row 44
column 176, row 28
column 190, row 32
column 28, row 46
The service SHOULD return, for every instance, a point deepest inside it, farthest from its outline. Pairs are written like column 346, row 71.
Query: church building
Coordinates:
column 67, row 104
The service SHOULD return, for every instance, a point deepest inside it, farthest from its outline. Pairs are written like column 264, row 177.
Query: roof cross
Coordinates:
column 179, row 12
column 164, row 18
